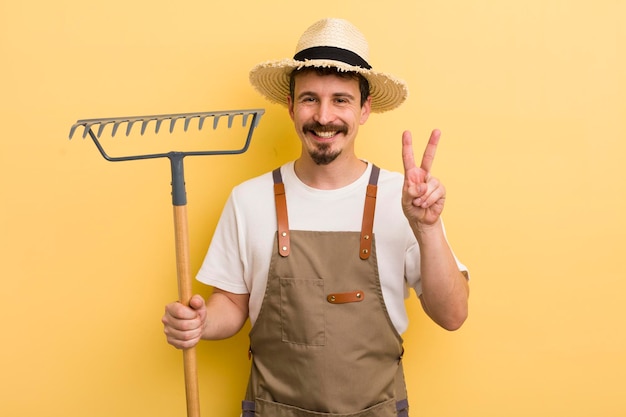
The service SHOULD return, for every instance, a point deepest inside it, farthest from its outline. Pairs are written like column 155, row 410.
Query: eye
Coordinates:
column 343, row 100
column 308, row 99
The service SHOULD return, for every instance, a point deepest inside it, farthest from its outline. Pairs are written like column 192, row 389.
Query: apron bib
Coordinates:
column 323, row 343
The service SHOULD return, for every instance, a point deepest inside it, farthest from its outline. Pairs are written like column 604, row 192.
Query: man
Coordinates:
column 319, row 253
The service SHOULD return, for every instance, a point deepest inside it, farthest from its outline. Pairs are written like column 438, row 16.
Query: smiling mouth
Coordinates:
column 325, row 132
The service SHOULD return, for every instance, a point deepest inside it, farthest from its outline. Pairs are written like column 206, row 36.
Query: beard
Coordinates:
column 323, row 154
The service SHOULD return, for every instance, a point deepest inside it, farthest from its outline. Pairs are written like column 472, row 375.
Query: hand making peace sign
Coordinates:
column 423, row 196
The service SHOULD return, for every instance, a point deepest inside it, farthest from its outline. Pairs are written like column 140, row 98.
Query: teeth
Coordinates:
column 325, row 135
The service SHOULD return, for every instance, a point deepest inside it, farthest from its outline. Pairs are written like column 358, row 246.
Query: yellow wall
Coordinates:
column 529, row 96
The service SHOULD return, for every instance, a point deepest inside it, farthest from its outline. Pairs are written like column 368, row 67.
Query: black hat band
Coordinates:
column 332, row 53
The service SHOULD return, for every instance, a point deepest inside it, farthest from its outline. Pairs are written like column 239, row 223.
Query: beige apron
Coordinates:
column 323, row 343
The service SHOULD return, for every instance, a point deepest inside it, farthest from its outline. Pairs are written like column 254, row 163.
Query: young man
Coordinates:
column 319, row 254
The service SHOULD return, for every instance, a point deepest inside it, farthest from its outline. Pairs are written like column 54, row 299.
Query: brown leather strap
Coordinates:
column 367, row 226
column 346, row 297
column 281, row 213
column 368, row 214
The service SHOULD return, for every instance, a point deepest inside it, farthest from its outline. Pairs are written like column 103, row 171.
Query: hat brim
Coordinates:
column 271, row 79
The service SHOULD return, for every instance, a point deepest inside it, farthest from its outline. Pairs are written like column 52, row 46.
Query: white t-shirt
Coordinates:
column 239, row 256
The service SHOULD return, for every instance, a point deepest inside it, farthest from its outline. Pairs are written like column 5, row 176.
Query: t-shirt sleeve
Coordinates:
column 223, row 264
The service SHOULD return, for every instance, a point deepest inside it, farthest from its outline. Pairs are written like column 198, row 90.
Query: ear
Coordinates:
column 366, row 109
column 290, row 106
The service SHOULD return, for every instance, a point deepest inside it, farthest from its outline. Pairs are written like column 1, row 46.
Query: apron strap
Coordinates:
column 281, row 213
column 367, row 226
column 368, row 214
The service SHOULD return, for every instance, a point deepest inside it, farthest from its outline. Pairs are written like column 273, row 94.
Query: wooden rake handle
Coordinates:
column 183, row 271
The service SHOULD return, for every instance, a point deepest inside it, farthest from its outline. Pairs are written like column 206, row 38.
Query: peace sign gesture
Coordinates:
column 423, row 196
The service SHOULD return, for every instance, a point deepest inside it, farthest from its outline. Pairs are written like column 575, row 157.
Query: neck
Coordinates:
column 337, row 174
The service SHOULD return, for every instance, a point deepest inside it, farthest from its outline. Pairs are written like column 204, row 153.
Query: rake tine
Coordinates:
column 173, row 122
column 100, row 129
column 87, row 129
column 187, row 121
column 201, row 122
column 144, row 124
column 73, row 129
column 102, row 126
column 129, row 126
column 158, row 125
column 116, row 125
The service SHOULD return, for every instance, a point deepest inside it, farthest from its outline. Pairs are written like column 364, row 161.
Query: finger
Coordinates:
column 181, row 328
column 429, row 152
column 435, row 192
column 182, row 340
column 408, row 160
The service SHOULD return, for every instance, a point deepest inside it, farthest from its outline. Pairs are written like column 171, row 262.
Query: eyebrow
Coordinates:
column 335, row 95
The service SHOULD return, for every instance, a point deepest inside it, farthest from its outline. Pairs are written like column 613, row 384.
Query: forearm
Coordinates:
column 445, row 289
column 226, row 315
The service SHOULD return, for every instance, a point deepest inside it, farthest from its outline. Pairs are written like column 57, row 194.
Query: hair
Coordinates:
column 364, row 85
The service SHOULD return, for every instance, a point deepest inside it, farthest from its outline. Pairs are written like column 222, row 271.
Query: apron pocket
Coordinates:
column 266, row 408
column 302, row 311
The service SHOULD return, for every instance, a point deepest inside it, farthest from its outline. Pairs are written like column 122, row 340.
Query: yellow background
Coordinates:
column 530, row 96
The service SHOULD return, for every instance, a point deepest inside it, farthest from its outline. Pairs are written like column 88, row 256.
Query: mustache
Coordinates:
column 316, row 126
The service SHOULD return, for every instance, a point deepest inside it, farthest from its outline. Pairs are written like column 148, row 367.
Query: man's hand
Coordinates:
column 183, row 326
column 423, row 196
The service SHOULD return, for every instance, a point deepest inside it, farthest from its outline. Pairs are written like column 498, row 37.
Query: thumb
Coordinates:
column 197, row 302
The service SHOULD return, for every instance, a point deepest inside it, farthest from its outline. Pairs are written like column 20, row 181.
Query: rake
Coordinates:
column 179, row 196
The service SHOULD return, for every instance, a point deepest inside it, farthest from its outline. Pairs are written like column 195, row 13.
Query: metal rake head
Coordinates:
column 179, row 197
column 186, row 118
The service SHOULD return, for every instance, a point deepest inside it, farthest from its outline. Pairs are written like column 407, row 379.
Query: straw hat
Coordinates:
column 329, row 43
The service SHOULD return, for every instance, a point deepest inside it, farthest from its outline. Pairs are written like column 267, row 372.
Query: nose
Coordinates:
column 324, row 113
